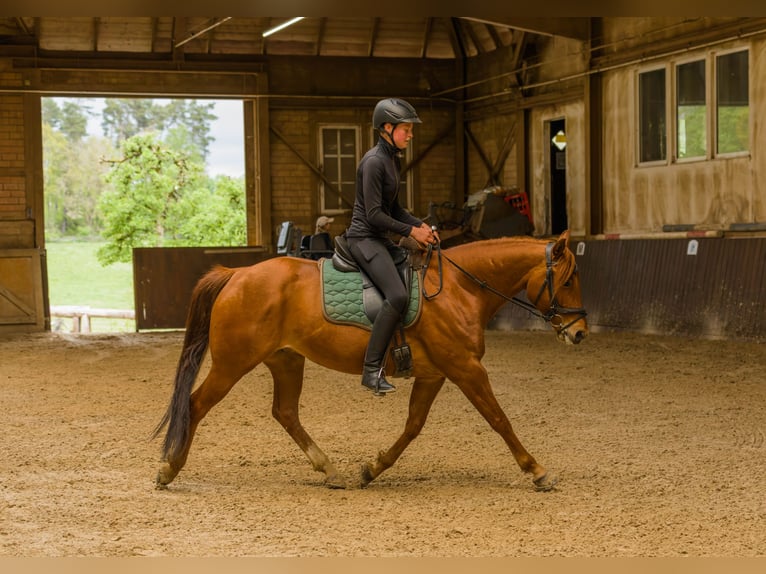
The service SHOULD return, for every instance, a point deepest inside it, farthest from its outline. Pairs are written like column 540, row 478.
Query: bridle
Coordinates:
column 555, row 312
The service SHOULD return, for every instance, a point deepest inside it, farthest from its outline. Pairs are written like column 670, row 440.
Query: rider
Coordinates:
column 376, row 213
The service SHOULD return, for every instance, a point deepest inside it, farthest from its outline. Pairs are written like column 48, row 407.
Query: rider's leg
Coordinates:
column 374, row 257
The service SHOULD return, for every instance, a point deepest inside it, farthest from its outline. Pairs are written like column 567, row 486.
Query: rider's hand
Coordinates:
column 424, row 235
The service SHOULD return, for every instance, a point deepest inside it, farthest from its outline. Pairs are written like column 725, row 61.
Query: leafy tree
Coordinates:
column 125, row 117
column 161, row 197
column 156, row 193
column 73, row 182
column 217, row 214
column 71, row 118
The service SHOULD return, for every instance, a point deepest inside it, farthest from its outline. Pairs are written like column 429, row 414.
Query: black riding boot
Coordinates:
column 382, row 330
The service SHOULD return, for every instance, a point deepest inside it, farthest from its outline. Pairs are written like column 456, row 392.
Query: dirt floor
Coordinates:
column 658, row 444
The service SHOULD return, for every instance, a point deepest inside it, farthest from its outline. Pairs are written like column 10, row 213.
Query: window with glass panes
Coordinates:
column 339, row 155
column 732, row 103
column 652, row 116
column 691, row 110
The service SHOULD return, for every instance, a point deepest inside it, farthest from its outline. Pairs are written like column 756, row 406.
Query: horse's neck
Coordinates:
column 503, row 264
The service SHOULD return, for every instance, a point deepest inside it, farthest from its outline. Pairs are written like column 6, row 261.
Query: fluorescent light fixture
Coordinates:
column 282, row 26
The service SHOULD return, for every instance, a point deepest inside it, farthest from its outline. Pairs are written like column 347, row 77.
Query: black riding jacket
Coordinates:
column 376, row 208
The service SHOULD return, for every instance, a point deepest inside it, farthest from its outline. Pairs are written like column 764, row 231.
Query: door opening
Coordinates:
column 558, row 176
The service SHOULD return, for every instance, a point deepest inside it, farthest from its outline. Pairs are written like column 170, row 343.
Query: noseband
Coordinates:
column 555, row 312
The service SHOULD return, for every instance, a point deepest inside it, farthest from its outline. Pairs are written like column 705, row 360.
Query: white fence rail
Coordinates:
column 81, row 315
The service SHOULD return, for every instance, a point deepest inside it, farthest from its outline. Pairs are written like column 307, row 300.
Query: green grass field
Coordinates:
column 75, row 277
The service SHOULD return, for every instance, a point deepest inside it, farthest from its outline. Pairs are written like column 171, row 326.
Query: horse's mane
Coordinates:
column 484, row 243
column 565, row 265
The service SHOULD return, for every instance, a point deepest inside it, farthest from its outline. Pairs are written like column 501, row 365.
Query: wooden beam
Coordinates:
column 492, row 30
column 426, row 36
column 458, row 44
column 373, row 36
column 264, row 231
column 518, row 55
column 179, row 30
column 502, row 156
column 482, row 155
column 320, row 34
column 204, row 30
column 23, row 25
column 155, row 22
column 474, row 38
column 96, row 27
column 576, row 28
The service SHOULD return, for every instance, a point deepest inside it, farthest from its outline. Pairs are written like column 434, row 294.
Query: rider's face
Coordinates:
column 402, row 135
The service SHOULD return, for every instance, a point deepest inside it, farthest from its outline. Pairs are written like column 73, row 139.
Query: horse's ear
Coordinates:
column 561, row 245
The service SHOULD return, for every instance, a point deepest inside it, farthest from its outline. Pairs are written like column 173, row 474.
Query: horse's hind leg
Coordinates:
column 286, row 367
column 422, row 396
column 214, row 388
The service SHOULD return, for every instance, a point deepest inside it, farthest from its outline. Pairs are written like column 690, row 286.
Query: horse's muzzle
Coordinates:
column 578, row 336
column 571, row 337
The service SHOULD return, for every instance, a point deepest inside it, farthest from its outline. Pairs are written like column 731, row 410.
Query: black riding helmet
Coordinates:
column 394, row 111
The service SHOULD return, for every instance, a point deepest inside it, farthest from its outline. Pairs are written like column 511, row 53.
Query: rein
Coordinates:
column 552, row 316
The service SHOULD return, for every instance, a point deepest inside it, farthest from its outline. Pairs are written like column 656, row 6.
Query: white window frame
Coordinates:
column 347, row 179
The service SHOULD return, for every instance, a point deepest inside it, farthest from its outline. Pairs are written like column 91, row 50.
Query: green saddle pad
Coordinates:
column 342, row 300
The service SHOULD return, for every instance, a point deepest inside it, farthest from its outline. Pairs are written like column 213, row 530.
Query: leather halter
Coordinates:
column 554, row 313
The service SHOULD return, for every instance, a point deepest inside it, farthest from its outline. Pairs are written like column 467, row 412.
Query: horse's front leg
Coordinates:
column 474, row 382
column 424, row 391
column 286, row 368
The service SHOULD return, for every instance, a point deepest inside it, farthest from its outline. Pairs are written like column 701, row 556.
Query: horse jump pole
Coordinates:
column 81, row 315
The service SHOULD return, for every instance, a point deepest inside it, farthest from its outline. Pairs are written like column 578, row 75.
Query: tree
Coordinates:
column 71, row 119
column 156, row 193
column 72, row 172
column 162, row 197
column 125, row 117
column 217, row 214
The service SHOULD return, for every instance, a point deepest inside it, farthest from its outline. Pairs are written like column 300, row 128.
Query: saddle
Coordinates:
column 350, row 297
column 343, row 261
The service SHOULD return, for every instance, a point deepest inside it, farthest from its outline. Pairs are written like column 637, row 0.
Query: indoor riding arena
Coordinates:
column 653, row 424
column 656, row 450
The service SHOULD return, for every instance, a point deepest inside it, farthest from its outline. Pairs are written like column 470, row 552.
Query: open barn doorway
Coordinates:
column 557, row 173
column 133, row 172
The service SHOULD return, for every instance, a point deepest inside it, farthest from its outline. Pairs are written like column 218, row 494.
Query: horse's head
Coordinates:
column 554, row 288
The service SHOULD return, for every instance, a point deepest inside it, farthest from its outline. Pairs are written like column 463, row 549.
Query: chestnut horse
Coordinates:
column 271, row 313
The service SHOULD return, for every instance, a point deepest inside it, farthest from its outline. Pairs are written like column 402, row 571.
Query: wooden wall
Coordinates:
column 493, row 123
column 710, row 287
column 713, row 193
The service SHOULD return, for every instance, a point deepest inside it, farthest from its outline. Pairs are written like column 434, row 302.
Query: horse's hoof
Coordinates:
column 545, row 483
column 158, row 483
column 165, row 476
column 366, row 475
column 335, row 482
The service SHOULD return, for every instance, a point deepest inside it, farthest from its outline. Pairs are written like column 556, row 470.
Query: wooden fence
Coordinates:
column 81, row 315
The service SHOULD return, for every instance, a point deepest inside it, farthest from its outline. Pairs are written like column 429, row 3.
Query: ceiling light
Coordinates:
column 282, row 26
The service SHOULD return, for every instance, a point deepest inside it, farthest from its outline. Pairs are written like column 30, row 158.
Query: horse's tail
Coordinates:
column 195, row 345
